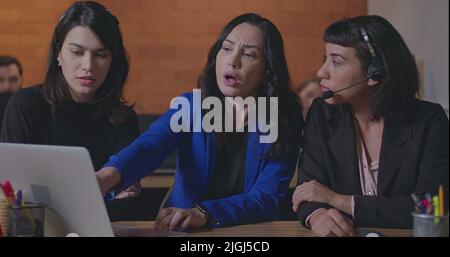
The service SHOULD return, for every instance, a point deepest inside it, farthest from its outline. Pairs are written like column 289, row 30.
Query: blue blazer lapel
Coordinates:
column 253, row 161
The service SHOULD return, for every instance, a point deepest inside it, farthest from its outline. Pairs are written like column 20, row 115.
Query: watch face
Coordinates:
column 203, row 210
column 209, row 218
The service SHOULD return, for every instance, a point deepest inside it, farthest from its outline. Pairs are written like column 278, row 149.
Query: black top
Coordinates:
column 228, row 177
column 28, row 119
column 4, row 98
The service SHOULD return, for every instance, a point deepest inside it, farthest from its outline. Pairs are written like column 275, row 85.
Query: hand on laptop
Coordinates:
column 132, row 191
column 107, row 178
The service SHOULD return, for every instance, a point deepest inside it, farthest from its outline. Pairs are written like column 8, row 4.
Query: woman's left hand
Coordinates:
column 179, row 219
column 311, row 191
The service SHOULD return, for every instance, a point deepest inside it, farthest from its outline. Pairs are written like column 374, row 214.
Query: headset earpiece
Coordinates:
column 376, row 69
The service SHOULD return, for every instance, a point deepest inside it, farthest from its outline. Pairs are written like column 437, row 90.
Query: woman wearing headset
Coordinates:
column 369, row 147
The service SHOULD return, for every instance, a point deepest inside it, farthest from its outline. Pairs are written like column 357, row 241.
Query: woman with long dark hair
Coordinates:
column 223, row 178
column 80, row 102
column 371, row 143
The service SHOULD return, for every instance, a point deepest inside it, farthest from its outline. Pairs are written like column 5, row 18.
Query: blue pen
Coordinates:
column 428, row 197
column 19, row 198
column 110, row 195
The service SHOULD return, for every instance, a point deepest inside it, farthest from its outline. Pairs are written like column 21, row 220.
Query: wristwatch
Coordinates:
column 209, row 218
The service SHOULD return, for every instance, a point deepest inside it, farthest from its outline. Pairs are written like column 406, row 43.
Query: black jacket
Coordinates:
column 414, row 158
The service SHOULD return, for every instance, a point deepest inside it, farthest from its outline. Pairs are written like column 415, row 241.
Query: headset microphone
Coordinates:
column 329, row 93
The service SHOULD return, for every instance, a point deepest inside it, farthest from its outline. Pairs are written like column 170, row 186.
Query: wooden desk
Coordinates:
column 266, row 229
column 164, row 178
column 158, row 181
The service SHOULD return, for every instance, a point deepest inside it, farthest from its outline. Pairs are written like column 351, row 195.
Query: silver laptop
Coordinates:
column 63, row 178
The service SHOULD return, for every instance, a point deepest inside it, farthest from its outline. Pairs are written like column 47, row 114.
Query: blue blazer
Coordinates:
column 266, row 181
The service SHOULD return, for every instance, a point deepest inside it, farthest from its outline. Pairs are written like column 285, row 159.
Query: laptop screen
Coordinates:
column 63, row 178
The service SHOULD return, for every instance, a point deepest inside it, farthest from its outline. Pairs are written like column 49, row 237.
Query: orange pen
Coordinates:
column 441, row 200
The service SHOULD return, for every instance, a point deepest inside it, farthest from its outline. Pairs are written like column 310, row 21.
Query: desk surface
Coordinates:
column 265, row 229
column 165, row 177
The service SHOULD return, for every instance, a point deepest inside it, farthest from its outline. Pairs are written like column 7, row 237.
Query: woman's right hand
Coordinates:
column 107, row 178
column 132, row 191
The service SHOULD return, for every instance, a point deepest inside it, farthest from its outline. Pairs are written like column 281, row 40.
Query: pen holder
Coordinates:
column 426, row 225
column 27, row 220
column 4, row 215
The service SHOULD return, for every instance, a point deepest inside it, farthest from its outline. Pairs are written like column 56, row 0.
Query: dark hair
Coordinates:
column 303, row 85
column 398, row 88
column 109, row 96
column 276, row 82
column 306, row 82
column 8, row 60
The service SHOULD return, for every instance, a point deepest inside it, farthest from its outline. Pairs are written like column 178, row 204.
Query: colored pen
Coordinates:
column 436, row 209
column 19, row 198
column 8, row 200
column 26, row 212
column 417, row 202
column 429, row 209
column 428, row 197
column 9, row 191
column 441, row 200
column 425, row 205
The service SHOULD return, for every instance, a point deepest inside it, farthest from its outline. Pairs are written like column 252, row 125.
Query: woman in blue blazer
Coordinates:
column 223, row 178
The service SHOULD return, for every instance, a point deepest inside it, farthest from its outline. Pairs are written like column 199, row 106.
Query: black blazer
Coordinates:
column 414, row 158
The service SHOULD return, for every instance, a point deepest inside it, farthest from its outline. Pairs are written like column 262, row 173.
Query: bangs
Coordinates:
column 342, row 33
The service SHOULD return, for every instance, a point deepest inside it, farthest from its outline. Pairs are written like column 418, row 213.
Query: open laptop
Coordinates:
column 63, row 178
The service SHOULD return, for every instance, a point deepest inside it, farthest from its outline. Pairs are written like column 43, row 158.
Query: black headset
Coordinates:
column 376, row 69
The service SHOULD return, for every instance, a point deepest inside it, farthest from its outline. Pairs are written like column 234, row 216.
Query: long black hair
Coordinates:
column 398, row 88
column 105, row 25
column 276, row 82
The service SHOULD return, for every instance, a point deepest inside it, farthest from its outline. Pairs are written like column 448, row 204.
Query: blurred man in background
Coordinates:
column 11, row 78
